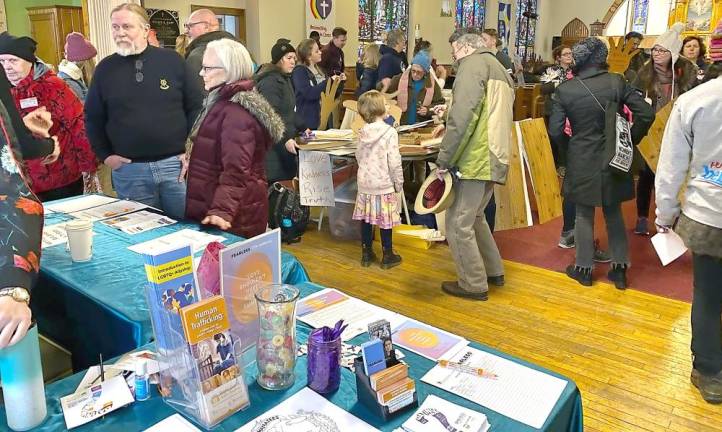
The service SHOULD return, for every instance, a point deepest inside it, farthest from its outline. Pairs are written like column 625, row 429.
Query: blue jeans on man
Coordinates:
column 154, row 184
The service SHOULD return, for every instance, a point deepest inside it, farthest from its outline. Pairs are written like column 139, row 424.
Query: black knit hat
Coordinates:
column 279, row 50
column 590, row 51
column 23, row 46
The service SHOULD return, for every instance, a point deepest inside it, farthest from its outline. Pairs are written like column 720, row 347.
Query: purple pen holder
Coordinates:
column 324, row 365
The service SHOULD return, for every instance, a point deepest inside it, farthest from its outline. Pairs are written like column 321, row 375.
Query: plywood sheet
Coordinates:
column 512, row 201
column 541, row 169
column 652, row 143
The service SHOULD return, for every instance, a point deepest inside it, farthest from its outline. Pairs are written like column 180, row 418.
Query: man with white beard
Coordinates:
column 140, row 107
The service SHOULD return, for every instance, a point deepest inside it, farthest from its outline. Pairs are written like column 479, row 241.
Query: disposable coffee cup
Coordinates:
column 80, row 239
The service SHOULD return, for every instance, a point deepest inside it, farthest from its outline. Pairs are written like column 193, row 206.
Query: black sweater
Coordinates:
column 146, row 121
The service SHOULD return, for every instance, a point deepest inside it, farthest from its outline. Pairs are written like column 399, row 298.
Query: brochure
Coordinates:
column 138, row 222
column 425, row 340
column 197, row 239
column 96, row 401
column 109, row 210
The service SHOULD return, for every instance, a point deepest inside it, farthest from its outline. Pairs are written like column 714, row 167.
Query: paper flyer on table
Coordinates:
column 82, row 202
column 106, row 211
column 439, row 415
column 198, row 240
column 97, row 401
column 306, row 411
column 519, row 392
column 327, row 306
column 138, row 222
column 54, row 235
column 245, row 267
column 430, row 342
column 669, row 246
column 174, row 423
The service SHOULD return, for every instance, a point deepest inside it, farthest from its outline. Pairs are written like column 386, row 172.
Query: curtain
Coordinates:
column 99, row 20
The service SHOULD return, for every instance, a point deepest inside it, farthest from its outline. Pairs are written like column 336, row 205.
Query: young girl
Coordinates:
column 380, row 179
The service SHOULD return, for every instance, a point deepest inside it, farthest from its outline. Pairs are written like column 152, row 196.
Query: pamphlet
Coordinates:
column 518, row 392
column 438, row 415
column 79, row 203
column 109, row 210
column 245, row 267
column 138, row 222
column 430, row 342
column 197, row 239
column 306, row 411
column 96, row 401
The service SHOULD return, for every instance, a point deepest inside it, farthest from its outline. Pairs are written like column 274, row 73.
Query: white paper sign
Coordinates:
column 669, row 246
column 321, row 17
column 174, row 423
column 316, row 179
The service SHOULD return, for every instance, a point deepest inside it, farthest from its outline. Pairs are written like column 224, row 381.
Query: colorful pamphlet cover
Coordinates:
column 381, row 329
column 172, row 286
column 207, row 329
column 96, row 401
column 245, row 267
column 373, row 356
column 430, row 342
column 439, row 415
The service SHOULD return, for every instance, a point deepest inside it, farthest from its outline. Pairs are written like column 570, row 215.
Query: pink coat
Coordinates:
column 379, row 160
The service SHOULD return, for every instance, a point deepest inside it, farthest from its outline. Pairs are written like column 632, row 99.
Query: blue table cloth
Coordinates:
column 99, row 306
column 565, row 417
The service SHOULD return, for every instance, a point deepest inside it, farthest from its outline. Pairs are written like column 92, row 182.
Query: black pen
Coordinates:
column 102, row 373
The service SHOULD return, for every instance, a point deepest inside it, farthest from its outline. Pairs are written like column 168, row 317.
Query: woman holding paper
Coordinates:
column 691, row 155
column 228, row 145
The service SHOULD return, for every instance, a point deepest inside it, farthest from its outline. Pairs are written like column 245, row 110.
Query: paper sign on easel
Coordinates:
column 316, row 179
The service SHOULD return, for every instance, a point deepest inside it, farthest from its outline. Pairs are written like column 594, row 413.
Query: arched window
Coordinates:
column 639, row 16
column 377, row 17
column 470, row 13
column 525, row 28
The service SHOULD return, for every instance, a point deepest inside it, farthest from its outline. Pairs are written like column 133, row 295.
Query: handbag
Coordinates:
column 619, row 148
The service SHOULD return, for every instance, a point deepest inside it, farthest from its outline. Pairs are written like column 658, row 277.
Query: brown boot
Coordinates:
column 709, row 386
column 453, row 288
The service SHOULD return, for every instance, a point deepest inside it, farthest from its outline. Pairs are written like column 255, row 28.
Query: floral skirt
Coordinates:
column 382, row 210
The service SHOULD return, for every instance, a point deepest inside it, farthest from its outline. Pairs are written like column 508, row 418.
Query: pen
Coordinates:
column 102, row 372
column 467, row 369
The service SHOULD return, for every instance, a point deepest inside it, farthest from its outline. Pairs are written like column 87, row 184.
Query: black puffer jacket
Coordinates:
column 589, row 179
column 277, row 88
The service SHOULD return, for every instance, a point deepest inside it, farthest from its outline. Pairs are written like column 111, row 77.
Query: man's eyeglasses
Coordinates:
column 206, row 69
column 139, row 71
column 188, row 26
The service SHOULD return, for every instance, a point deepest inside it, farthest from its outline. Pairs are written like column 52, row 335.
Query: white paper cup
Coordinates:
column 80, row 239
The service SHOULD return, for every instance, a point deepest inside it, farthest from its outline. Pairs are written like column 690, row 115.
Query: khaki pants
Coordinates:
column 472, row 245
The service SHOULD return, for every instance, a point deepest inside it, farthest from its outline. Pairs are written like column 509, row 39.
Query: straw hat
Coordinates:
column 435, row 195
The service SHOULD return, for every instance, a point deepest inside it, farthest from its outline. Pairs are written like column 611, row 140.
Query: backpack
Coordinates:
column 286, row 212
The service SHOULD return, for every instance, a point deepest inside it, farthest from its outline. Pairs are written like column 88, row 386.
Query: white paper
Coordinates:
column 198, row 241
column 128, row 362
column 669, row 246
column 54, row 235
column 80, row 203
column 86, row 406
column 406, row 128
column 138, row 222
column 520, row 393
column 109, row 210
column 355, row 312
column 315, row 179
column 174, row 423
column 306, row 411
column 434, row 409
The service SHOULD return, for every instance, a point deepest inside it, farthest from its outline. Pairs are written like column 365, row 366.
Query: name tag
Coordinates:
column 28, row 102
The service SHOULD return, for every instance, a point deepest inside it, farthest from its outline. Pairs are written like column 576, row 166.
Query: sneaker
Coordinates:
column 709, row 386
column 566, row 241
column 600, row 256
column 642, row 227
column 583, row 276
column 495, row 280
column 618, row 275
column 453, row 288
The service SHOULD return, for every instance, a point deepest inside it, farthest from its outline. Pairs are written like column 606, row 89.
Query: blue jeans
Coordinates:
column 153, row 183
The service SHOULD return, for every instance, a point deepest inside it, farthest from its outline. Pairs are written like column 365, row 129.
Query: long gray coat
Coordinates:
column 589, row 179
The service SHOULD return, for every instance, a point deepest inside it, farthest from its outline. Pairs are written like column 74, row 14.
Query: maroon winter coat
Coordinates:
column 226, row 175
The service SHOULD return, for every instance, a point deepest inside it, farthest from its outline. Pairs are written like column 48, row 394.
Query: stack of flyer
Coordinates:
column 438, row 415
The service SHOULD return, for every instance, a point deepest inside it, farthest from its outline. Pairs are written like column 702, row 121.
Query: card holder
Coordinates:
column 367, row 395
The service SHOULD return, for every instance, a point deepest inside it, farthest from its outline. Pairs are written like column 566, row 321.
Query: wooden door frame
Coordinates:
column 218, row 10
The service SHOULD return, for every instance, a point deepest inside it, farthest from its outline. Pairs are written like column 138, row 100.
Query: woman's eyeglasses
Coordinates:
column 139, row 71
column 206, row 69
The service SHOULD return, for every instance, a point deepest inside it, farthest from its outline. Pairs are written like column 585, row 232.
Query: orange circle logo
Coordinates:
column 255, row 272
column 418, row 338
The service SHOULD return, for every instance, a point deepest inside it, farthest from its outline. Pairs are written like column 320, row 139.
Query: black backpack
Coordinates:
column 286, row 212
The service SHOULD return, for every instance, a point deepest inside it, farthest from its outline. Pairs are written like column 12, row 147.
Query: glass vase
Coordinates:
column 276, row 348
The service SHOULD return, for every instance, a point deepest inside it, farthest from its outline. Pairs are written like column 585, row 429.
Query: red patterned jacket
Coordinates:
column 76, row 156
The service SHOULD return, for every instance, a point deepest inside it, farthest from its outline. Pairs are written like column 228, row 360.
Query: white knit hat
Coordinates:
column 672, row 40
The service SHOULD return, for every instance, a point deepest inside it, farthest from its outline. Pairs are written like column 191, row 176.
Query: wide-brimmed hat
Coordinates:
column 436, row 195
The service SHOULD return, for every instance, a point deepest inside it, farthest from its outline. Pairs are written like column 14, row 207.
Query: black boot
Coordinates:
column 709, row 386
column 390, row 259
column 583, row 276
column 618, row 275
column 367, row 255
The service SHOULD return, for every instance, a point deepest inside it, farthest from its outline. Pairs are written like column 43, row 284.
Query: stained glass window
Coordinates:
column 639, row 16
column 470, row 13
column 525, row 29
column 377, row 17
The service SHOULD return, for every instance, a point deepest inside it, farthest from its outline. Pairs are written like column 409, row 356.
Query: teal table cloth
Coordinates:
column 565, row 417
column 99, row 306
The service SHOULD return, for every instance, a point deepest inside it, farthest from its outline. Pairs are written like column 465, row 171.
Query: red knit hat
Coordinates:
column 77, row 48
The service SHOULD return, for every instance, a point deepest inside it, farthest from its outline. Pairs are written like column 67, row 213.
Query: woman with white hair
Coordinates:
column 228, row 145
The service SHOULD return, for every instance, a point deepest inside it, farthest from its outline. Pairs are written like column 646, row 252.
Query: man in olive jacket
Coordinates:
column 476, row 147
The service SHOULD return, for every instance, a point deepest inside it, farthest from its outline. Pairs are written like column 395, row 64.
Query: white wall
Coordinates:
column 656, row 20
column 554, row 15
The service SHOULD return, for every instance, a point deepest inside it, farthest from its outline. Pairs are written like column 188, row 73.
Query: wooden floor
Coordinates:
column 627, row 351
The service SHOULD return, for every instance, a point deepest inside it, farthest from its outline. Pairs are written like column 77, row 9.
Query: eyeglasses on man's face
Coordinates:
column 188, row 26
